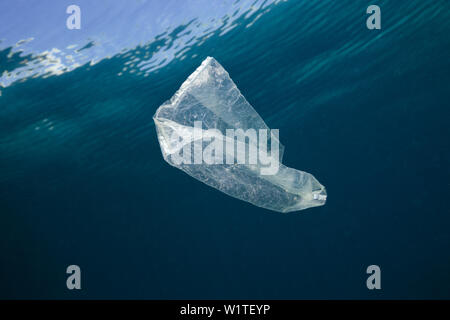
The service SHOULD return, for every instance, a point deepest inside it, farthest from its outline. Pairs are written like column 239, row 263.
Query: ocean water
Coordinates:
column 82, row 179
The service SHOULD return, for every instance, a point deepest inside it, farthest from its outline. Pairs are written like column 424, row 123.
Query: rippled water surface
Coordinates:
column 82, row 180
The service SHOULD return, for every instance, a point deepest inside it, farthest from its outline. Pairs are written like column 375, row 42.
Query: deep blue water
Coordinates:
column 82, row 179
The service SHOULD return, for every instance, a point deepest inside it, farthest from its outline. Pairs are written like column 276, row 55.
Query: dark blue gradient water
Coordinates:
column 82, row 179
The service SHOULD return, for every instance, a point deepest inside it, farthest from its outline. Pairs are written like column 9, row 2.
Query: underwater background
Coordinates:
column 82, row 179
